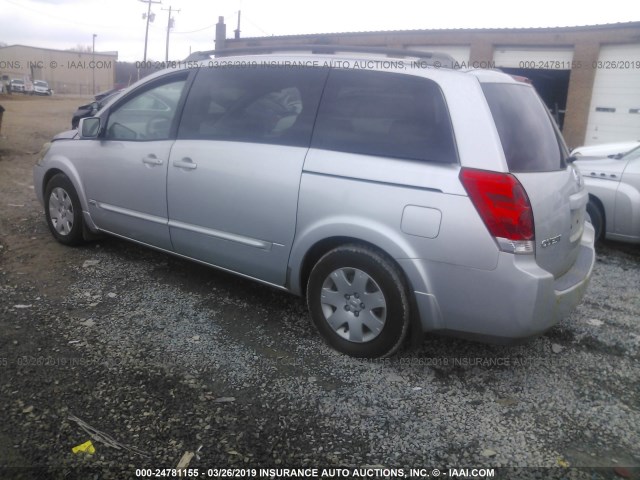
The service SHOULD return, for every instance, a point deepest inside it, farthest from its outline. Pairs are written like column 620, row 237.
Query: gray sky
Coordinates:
column 64, row 24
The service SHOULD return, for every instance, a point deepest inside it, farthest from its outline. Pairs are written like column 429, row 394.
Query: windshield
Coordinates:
column 40, row 83
column 633, row 154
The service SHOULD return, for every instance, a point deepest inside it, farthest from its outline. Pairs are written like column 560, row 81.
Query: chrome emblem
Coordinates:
column 547, row 242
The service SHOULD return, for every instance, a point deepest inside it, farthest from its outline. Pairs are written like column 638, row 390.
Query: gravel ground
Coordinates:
column 165, row 356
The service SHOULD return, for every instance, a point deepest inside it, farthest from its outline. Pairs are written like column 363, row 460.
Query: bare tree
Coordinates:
column 81, row 48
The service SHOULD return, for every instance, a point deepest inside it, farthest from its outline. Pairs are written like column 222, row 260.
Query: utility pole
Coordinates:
column 169, row 27
column 149, row 17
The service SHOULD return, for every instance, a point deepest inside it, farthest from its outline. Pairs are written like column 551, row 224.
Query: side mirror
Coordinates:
column 89, row 127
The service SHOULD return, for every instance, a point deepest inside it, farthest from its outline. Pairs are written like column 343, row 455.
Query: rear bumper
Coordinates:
column 515, row 301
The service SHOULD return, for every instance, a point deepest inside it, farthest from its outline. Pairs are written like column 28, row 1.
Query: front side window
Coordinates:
column 148, row 115
column 385, row 114
column 275, row 105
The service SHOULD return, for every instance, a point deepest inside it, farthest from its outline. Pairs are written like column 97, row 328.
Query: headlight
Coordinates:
column 43, row 153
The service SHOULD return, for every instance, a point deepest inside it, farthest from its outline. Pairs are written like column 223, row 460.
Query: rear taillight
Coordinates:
column 504, row 208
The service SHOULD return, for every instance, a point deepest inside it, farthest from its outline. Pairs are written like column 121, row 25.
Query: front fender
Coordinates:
column 57, row 163
column 627, row 211
column 605, row 192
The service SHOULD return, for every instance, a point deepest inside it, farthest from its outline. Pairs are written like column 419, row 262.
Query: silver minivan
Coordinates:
column 398, row 196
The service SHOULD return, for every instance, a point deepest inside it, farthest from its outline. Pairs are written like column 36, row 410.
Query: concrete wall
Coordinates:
column 65, row 71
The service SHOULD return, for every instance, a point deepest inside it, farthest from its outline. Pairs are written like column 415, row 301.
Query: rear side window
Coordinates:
column 385, row 114
column 529, row 139
column 253, row 104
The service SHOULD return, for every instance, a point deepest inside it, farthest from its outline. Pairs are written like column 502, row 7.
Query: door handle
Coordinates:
column 185, row 163
column 151, row 159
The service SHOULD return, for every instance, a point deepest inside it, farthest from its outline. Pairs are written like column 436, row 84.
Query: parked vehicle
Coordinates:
column 605, row 149
column 614, row 195
column 92, row 108
column 5, row 83
column 40, row 87
column 18, row 85
column 397, row 198
column 107, row 93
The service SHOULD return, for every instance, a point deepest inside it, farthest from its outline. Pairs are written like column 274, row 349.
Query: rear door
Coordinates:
column 234, row 172
column 535, row 154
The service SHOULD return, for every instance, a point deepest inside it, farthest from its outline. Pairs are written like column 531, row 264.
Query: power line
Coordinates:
column 255, row 25
column 195, row 31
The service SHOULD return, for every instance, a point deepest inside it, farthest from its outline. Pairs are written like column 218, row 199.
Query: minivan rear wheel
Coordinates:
column 358, row 302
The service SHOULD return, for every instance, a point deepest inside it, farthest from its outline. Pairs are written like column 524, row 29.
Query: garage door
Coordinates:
column 614, row 113
column 534, row 58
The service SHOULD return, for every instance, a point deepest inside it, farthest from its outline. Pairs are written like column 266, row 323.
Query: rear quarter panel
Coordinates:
column 381, row 205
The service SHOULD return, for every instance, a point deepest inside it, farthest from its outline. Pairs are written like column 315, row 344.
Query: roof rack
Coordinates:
column 431, row 58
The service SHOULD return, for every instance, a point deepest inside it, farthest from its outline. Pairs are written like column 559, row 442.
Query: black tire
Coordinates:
column 596, row 217
column 63, row 210
column 340, row 313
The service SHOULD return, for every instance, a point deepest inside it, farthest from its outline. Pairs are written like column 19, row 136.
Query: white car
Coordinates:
column 605, row 149
column 40, row 87
column 17, row 85
column 614, row 195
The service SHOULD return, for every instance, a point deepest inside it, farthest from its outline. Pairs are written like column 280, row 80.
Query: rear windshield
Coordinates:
column 529, row 139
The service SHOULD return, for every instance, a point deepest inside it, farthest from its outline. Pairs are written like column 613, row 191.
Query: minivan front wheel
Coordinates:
column 358, row 302
column 63, row 211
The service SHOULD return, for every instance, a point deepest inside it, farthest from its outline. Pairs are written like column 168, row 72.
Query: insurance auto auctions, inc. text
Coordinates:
column 364, row 472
